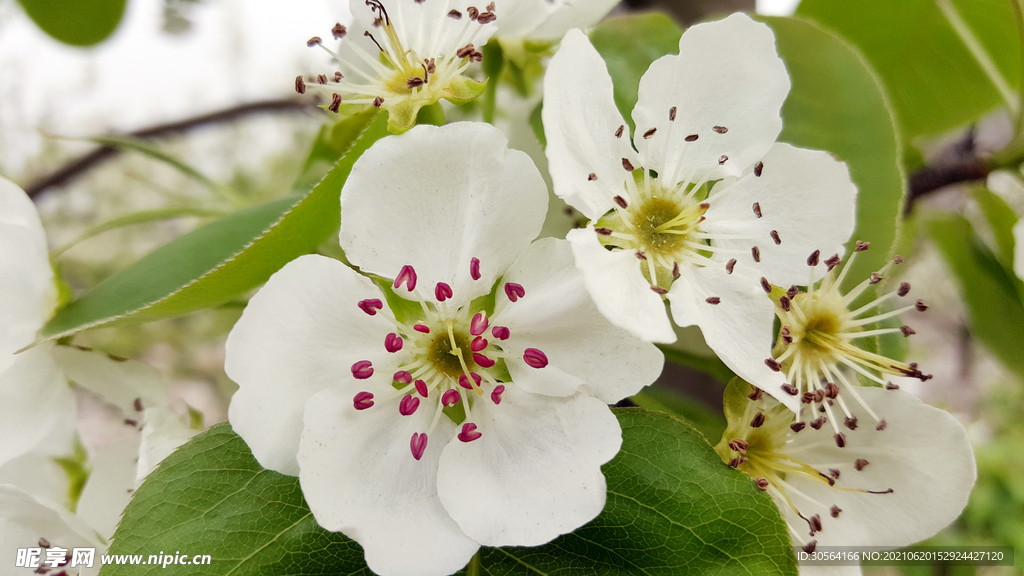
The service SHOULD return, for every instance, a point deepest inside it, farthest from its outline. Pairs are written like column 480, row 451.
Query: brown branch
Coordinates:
column 75, row 168
column 932, row 178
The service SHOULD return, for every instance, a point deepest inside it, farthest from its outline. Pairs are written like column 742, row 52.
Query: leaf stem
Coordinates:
column 474, row 565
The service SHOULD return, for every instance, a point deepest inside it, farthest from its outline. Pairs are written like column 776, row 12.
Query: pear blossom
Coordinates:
column 402, row 55
column 891, row 487
column 821, row 346
column 26, row 522
column 454, row 396
column 708, row 208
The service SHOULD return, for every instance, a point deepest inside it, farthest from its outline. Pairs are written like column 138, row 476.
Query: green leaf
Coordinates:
column 990, row 290
column 837, row 104
column 710, row 365
column 673, row 508
column 76, row 22
column 1001, row 219
column 936, row 84
column 629, row 45
column 135, row 218
column 221, row 260
column 710, row 423
column 211, row 497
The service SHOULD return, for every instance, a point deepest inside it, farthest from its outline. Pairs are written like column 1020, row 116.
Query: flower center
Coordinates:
column 445, row 357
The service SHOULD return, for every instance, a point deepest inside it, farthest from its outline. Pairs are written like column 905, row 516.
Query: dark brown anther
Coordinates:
column 831, row 391
column 130, row 422
column 430, row 65
column 756, row 253
column 739, row 445
column 722, row 159
column 618, row 133
column 314, row 41
column 414, row 82
column 335, row 103
column 815, row 523
column 735, row 462
column 832, row 262
column 755, row 394
column 821, row 409
column 773, row 364
column 627, row 165
column 658, row 289
column 891, row 386
column 758, row 420
column 850, row 422
column 775, row 237
column 490, row 7
column 790, row 389
column 786, row 336
column 473, row 13
column 592, row 177
column 466, row 51
column 834, row 511
column 672, row 114
column 762, row 483
column 831, row 481
column 338, row 76
column 819, row 396
column 920, row 306
column 834, row 473
column 792, row 292
column 797, row 426
column 810, row 546
column 758, row 168
column 476, row 57
column 730, row 265
column 904, row 289
column 861, row 246
column 603, row 231
column 907, row 331
column 814, row 258
column 620, row 201
column 44, row 543
column 137, row 404
column 807, row 398
column 720, row 129
column 881, row 426
column 691, row 138
column 860, row 463
column 840, row 439
column 785, row 303
column 886, row 491
column 765, row 285
column 300, row 85
column 378, row 102
column 817, row 423
column 875, row 278
column 897, row 259
column 321, row 79
column 339, row 31
column 650, row 133
column 713, row 300
column 455, row 15
column 640, row 255
column 486, row 17
column 675, row 270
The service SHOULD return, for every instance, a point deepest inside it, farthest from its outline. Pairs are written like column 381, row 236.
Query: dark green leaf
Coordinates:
column 989, row 289
column 220, row 260
column 934, row 81
column 76, row 22
column 710, row 423
column 1001, row 219
column 709, row 365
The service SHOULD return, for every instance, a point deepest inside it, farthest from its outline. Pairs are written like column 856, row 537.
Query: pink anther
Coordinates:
column 442, row 292
column 478, row 344
column 514, row 291
column 464, row 382
column 363, row 400
column 482, row 361
column 362, row 369
column 421, row 387
column 535, row 358
column 403, row 377
column 406, row 276
column 421, row 328
column 496, row 393
column 500, row 332
column 371, row 306
column 478, row 325
column 418, row 444
column 469, row 432
column 474, row 268
column 393, row 342
column 450, row 398
column 408, row 405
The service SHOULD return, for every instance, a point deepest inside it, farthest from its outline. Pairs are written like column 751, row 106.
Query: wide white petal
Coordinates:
column 519, row 18
column 423, row 27
column 35, row 399
column 923, row 455
column 437, row 197
column 118, row 381
column 558, row 317
column 110, row 485
column 39, row 475
column 26, row 278
column 24, row 520
column 572, row 14
column 738, row 328
column 727, row 75
column 535, row 473
column 618, row 288
column 580, row 123
column 299, row 334
column 360, row 478
column 805, row 196
column 1018, row 258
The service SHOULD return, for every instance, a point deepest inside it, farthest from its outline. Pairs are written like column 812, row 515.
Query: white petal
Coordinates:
column 24, row 520
column 1018, row 259
column 301, row 333
column 580, row 122
column 923, row 455
column 39, row 475
column 738, row 328
column 162, row 434
column 806, row 196
column 727, row 74
column 618, row 288
column 535, row 473
column 558, row 317
column 110, row 486
column 34, row 400
column 118, row 381
column 423, row 27
column 437, row 197
column 572, row 14
column 360, row 478
column 520, row 19
column 26, row 278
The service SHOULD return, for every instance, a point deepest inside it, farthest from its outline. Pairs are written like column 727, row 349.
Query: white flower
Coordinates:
column 402, row 55
column 548, row 20
column 25, row 522
column 437, row 416
column 708, row 205
column 890, row 487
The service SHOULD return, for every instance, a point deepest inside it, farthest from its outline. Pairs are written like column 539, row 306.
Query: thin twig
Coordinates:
column 75, row 168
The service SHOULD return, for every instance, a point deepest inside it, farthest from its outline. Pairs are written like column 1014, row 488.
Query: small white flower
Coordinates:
column 402, row 55
column 25, row 522
column 707, row 204
column 436, row 415
column 890, row 487
column 548, row 20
